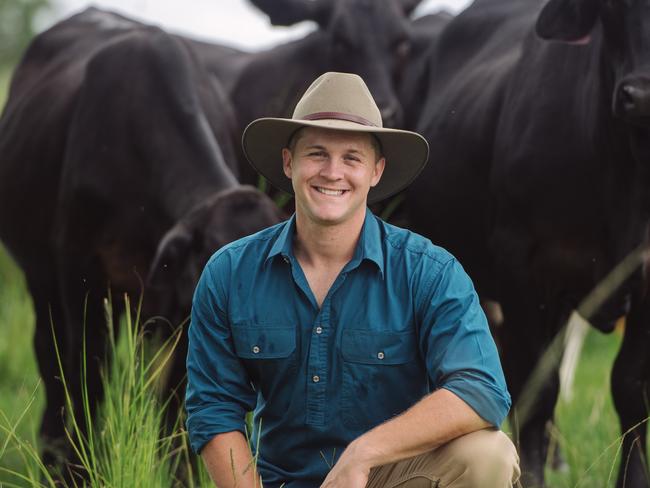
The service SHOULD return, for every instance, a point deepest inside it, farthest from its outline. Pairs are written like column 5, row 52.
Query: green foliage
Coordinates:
column 126, row 447
column 17, row 27
column 587, row 429
column 5, row 75
column 21, row 397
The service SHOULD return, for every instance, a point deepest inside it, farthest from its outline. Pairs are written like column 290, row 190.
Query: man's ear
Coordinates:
column 568, row 20
column 379, row 170
column 171, row 256
column 286, row 162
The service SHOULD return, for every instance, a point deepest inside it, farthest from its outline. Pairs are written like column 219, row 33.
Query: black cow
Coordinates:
column 538, row 119
column 368, row 37
column 112, row 170
column 415, row 76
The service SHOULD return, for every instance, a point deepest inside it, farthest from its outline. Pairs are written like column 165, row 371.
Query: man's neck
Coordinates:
column 326, row 245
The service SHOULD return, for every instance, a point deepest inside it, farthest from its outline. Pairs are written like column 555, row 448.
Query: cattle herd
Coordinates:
column 120, row 164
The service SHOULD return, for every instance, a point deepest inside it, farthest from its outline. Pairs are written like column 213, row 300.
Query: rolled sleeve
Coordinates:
column 459, row 350
column 219, row 391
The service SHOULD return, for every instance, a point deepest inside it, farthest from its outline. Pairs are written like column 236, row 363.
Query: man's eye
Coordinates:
column 317, row 154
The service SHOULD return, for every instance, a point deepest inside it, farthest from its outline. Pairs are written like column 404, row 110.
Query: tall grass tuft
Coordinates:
column 124, row 444
column 127, row 446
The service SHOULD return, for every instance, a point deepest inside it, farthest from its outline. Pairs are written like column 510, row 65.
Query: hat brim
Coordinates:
column 406, row 152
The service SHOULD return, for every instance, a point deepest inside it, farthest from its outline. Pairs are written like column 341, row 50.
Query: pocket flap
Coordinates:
column 264, row 342
column 370, row 347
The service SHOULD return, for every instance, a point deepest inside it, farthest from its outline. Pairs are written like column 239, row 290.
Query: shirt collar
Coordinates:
column 368, row 248
column 283, row 244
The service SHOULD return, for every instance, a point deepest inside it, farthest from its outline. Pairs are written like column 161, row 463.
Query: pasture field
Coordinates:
column 586, row 428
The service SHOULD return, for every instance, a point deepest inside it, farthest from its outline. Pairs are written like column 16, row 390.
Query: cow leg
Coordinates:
column 49, row 321
column 530, row 433
column 630, row 391
column 526, row 332
column 84, row 286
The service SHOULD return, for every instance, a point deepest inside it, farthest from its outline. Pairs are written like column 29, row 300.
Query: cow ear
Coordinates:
column 408, row 6
column 568, row 20
column 171, row 256
column 289, row 12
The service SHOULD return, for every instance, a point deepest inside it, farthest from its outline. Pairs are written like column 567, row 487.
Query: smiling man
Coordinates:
column 360, row 346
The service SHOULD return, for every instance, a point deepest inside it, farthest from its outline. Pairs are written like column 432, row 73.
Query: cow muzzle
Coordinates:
column 632, row 101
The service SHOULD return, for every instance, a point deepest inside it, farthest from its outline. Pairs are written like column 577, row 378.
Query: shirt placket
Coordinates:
column 318, row 366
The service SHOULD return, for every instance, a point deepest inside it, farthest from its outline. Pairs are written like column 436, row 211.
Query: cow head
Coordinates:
column 626, row 45
column 187, row 246
column 368, row 37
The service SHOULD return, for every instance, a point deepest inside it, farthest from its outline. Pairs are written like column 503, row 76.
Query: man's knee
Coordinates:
column 486, row 458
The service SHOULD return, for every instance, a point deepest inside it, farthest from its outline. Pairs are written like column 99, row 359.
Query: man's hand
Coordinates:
column 351, row 470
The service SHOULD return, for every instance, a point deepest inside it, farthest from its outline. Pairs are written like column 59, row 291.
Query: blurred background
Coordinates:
column 216, row 20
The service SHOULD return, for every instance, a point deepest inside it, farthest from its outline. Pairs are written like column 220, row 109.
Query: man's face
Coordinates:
column 331, row 173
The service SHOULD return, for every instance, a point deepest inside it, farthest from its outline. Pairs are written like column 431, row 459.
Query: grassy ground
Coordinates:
column 587, row 427
column 19, row 379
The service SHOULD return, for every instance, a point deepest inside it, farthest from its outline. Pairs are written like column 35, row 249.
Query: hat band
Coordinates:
column 339, row 116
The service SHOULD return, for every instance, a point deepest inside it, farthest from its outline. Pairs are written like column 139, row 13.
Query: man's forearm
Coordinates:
column 433, row 421
column 229, row 461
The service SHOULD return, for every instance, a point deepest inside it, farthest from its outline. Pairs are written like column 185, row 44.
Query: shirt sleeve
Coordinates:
column 219, row 391
column 455, row 341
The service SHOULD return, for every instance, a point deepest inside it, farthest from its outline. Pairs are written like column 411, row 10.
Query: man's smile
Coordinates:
column 329, row 191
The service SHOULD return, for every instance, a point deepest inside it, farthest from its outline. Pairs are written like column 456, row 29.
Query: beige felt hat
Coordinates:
column 338, row 101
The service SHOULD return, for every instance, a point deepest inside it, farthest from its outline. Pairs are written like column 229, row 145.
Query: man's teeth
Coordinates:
column 333, row 193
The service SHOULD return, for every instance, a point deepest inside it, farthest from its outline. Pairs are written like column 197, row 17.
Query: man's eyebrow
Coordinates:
column 323, row 148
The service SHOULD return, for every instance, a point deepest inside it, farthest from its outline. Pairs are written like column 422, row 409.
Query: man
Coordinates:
column 360, row 346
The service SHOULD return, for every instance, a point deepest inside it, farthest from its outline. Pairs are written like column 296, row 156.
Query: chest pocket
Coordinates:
column 382, row 377
column 269, row 355
column 264, row 342
column 366, row 347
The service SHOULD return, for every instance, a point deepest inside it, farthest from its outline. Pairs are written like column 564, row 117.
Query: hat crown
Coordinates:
column 337, row 94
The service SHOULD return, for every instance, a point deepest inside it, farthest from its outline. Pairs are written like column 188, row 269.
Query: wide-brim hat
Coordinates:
column 339, row 101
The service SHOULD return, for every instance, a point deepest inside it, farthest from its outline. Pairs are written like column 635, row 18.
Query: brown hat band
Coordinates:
column 339, row 116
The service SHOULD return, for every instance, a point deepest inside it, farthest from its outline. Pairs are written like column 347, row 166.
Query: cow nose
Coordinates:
column 633, row 99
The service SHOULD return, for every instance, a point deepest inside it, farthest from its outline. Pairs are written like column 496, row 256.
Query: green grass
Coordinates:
column 127, row 446
column 5, row 75
column 19, row 379
column 587, row 428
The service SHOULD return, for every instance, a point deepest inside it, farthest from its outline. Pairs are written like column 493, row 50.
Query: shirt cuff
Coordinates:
column 204, row 424
column 488, row 401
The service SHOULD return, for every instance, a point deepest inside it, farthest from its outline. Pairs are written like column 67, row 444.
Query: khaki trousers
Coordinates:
column 482, row 459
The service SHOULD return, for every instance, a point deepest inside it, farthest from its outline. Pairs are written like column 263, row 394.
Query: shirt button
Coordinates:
column 315, row 378
column 286, row 259
column 381, row 355
column 319, row 330
column 256, row 349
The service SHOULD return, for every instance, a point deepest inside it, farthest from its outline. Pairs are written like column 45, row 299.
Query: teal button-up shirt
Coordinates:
column 401, row 319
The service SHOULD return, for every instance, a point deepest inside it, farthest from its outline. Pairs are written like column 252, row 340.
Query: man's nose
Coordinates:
column 333, row 169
